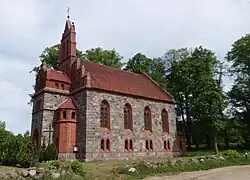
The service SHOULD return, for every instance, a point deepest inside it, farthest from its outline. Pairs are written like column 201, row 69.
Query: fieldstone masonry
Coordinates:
column 67, row 102
column 117, row 133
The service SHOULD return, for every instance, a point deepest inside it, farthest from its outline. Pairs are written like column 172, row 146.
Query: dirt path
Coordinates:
column 226, row 173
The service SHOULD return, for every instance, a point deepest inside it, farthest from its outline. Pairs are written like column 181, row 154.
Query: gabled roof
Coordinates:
column 116, row 80
column 68, row 104
column 57, row 76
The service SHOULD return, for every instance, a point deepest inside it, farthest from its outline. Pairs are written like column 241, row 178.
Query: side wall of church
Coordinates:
column 42, row 118
column 117, row 134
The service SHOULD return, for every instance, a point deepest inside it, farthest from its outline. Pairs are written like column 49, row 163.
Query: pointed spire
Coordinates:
column 68, row 16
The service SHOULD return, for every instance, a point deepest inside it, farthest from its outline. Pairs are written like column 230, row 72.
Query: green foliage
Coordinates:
column 230, row 153
column 16, row 150
column 239, row 95
column 54, row 164
column 155, row 67
column 26, row 156
column 106, row 57
column 47, row 153
column 77, row 168
column 2, row 125
column 144, row 169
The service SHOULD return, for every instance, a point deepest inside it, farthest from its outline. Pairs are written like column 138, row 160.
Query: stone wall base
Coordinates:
column 67, row 156
column 102, row 156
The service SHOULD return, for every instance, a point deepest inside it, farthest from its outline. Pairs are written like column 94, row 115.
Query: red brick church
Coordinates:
column 95, row 112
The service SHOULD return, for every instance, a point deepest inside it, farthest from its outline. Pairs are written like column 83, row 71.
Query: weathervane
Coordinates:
column 68, row 13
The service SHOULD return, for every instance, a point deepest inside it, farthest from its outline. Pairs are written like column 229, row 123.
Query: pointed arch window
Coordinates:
column 147, row 119
column 102, row 145
column 105, row 115
column 126, row 145
column 128, row 122
column 165, row 122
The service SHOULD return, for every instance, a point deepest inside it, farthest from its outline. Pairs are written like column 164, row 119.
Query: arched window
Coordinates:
column 165, row 145
column 131, row 148
column 151, row 145
column 64, row 115
column 105, row 111
column 147, row 119
column 126, row 145
column 73, row 115
column 169, row 146
column 128, row 122
column 102, row 144
column 165, row 123
column 147, row 145
column 107, row 144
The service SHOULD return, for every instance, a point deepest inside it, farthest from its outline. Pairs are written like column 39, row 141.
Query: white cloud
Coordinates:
column 131, row 26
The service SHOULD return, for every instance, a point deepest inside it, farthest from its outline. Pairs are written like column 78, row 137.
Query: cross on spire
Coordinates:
column 68, row 13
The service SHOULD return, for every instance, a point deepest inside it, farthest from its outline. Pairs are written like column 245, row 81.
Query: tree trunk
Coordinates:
column 188, row 123
column 215, row 145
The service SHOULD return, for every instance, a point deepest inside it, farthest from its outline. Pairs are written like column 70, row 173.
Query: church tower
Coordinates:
column 68, row 48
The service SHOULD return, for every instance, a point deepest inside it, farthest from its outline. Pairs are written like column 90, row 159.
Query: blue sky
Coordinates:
column 131, row 26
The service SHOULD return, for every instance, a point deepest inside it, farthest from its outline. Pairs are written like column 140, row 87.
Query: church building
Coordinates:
column 96, row 112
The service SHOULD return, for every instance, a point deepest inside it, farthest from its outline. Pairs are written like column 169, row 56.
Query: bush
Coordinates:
column 54, row 164
column 47, row 153
column 77, row 168
column 27, row 157
column 230, row 154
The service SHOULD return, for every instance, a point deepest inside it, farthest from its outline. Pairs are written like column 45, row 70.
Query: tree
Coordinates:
column 155, row 67
column 106, row 57
column 239, row 95
column 191, row 80
column 2, row 125
column 179, row 84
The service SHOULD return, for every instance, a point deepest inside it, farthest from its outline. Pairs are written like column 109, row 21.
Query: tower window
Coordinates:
column 64, row 115
column 62, row 86
column 73, row 115
column 57, row 86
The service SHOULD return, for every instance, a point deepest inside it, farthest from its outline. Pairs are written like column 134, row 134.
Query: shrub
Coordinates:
column 26, row 157
column 54, row 163
column 77, row 168
column 230, row 153
column 47, row 153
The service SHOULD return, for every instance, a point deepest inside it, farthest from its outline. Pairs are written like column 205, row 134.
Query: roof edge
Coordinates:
column 147, row 76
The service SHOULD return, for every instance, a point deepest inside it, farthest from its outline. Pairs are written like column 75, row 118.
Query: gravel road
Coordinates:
column 226, row 173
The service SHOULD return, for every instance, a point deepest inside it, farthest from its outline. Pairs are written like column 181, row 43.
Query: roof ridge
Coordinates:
column 111, row 67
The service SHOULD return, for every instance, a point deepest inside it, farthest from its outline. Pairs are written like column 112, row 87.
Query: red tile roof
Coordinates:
column 68, row 104
column 116, row 80
column 57, row 76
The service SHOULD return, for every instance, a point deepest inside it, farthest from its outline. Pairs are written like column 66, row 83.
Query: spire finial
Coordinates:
column 68, row 13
